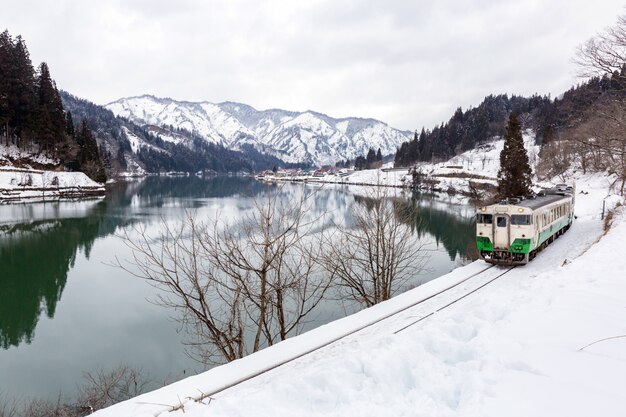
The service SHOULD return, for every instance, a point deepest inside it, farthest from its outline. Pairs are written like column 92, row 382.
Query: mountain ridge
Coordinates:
column 309, row 137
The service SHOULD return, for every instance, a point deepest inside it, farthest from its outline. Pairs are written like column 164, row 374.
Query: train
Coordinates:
column 513, row 231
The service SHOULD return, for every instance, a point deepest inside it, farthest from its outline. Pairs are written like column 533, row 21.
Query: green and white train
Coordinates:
column 513, row 231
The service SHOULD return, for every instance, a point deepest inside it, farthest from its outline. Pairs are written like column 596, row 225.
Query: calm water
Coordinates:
column 64, row 310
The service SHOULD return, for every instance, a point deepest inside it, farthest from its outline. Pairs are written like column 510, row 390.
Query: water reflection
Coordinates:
column 58, row 300
column 39, row 241
column 455, row 231
column 35, row 259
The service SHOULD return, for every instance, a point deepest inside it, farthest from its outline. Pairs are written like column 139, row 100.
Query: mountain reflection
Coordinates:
column 35, row 258
column 39, row 242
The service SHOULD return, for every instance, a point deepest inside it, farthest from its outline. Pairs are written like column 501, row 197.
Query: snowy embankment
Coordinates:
column 520, row 346
column 32, row 184
column 35, row 184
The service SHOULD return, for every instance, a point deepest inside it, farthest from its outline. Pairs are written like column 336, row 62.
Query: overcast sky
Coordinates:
column 408, row 63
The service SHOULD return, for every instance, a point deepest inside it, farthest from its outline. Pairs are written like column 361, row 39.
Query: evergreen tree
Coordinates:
column 21, row 97
column 51, row 121
column 379, row 156
column 514, row 176
column 69, row 124
column 371, row 157
column 6, row 48
column 88, row 155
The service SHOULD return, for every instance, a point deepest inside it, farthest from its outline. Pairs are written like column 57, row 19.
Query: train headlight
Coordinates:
column 521, row 210
column 483, row 209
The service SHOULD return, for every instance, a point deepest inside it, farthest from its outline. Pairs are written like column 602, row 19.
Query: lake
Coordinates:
column 65, row 311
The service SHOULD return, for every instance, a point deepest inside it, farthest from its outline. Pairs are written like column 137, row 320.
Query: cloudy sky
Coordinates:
column 408, row 63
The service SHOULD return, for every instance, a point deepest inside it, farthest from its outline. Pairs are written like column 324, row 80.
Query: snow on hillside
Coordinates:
column 19, row 181
column 546, row 339
column 294, row 137
column 11, row 154
column 136, row 143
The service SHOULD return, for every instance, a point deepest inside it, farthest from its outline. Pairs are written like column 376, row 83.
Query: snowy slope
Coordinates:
column 512, row 348
column 294, row 137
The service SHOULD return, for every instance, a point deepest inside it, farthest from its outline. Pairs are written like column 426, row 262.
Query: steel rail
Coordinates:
column 454, row 301
column 248, row 377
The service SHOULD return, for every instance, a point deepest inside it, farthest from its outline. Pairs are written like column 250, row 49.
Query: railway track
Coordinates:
column 454, row 301
column 225, row 386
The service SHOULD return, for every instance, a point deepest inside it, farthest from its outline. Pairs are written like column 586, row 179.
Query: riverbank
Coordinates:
column 24, row 184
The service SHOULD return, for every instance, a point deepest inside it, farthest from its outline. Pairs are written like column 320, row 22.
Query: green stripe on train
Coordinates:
column 484, row 243
column 520, row 246
column 543, row 236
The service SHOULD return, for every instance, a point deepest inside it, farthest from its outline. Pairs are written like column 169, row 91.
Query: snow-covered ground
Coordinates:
column 19, row 181
column 32, row 184
column 520, row 346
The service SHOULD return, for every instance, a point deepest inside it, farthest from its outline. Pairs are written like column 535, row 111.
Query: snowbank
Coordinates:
column 514, row 348
column 31, row 184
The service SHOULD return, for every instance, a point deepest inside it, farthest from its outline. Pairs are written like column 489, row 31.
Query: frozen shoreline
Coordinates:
column 23, row 184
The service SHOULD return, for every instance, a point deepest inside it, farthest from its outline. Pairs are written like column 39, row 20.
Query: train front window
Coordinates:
column 501, row 221
column 520, row 220
column 484, row 218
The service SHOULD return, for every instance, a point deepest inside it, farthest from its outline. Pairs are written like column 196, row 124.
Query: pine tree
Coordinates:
column 22, row 100
column 6, row 47
column 371, row 157
column 51, row 121
column 514, row 176
column 88, row 155
column 69, row 124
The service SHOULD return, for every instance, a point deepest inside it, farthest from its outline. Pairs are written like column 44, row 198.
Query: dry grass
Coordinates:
column 608, row 219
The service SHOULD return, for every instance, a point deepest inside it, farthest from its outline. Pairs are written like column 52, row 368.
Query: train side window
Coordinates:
column 501, row 221
column 521, row 219
column 484, row 218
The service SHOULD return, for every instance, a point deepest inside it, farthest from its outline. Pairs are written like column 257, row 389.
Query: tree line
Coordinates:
column 373, row 159
column 32, row 116
column 466, row 129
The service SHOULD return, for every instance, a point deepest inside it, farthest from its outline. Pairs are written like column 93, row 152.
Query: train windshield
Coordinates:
column 484, row 218
column 521, row 219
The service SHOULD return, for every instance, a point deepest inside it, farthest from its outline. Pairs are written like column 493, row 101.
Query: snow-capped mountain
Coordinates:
column 308, row 137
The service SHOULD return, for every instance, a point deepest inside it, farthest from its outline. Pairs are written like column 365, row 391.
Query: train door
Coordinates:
column 501, row 232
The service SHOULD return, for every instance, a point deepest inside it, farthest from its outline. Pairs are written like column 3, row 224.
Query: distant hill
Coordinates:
column 296, row 137
column 129, row 147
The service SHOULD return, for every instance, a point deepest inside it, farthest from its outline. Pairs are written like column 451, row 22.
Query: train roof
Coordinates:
column 543, row 198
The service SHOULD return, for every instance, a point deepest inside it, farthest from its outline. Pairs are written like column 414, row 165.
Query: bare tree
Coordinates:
column 99, row 390
column 240, row 286
column 373, row 258
column 605, row 53
column 8, row 408
column 603, row 131
column 102, row 389
column 602, row 138
column 554, row 158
